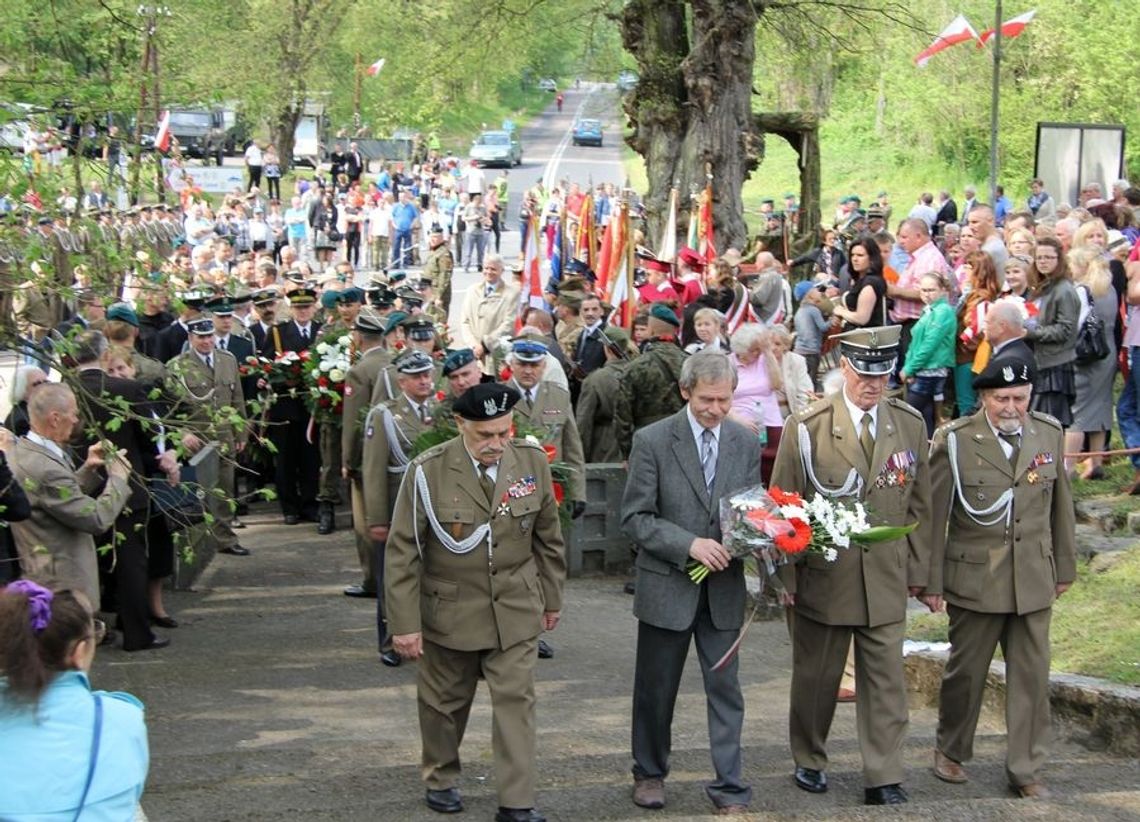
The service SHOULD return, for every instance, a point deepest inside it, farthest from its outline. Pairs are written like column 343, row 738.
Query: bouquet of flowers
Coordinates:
column 324, row 377
column 287, row 371
column 750, row 522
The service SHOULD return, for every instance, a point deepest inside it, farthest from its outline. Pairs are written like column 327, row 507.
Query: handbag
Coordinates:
column 982, row 357
column 182, row 505
column 96, row 736
column 1091, row 345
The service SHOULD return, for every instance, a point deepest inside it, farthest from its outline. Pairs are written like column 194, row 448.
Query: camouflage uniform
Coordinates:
column 437, row 271
column 649, row 391
column 597, row 406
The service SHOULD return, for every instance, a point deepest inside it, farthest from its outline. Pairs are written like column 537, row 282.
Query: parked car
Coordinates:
column 627, row 80
column 587, row 133
column 548, row 84
column 497, row 148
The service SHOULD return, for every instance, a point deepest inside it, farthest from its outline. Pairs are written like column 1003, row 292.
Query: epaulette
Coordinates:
column 430, row 454
column 953, row 425
column 1048, row 419
column 895, row 402
column 813, row 409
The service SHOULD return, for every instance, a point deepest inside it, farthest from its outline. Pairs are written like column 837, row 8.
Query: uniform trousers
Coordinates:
column 298, row 463
column 447, row 683
column 818, row 655
column 328, row 484
column 659, row 663
column 364, row 548
column 1025, row 647
column 219, row 505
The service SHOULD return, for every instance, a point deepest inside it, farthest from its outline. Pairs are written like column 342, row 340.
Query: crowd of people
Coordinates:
column 832, row 373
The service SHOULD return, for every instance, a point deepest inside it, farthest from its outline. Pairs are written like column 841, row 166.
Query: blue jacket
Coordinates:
column 46, row 753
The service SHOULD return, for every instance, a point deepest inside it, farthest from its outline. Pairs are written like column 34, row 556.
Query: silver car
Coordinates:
column 497, row 148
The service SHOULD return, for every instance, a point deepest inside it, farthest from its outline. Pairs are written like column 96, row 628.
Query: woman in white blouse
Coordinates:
column 796, row 392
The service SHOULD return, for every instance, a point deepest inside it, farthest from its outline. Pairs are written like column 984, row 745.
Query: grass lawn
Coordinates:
column 1096, row 624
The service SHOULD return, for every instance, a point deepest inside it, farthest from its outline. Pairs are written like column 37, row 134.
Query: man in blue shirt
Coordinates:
column 1002, row 206
column 404, row 216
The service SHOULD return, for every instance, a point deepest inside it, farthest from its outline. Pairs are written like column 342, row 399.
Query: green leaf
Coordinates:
column 883, row 533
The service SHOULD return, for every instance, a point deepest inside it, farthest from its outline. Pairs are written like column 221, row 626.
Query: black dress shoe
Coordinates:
column 153, row 645
column 811, row 780
column 518, row 815
column 235, row 550
column 164, row 621
column 885, row 795
column 108, row 638
column 630, row 587
column 326, row 519
column 292, row 519
column 392, row 660
column 544, row 650
column 359, row 591
column 445, row 801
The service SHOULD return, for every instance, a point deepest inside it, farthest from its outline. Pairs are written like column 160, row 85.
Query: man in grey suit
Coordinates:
column 679, row 468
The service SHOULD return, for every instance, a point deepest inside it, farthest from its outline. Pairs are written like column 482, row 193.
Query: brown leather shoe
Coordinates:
column 649, row 792
column 947, row 769
column 1034, row 790
column 845, row 695
column 731, row 810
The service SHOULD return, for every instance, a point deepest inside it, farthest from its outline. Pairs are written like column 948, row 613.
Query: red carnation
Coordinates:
column 781, row 497
column 325, row 402
column 795, row 543
column 304, row 355
column 323, row 382
column 551, row 452
column 559, row 494
column 440, row 396
column 505, row 374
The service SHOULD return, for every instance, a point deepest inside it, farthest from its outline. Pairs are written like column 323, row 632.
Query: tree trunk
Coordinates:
column 282, row 127
column 693, row 105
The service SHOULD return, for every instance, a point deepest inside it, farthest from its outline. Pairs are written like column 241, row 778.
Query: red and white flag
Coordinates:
column 959, row 31
column 374, row 69
column 530, row 295
column 162, row 136
column 667, row 250
column 1010, row 28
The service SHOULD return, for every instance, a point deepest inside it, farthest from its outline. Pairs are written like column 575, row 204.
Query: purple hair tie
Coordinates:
column 39, row 602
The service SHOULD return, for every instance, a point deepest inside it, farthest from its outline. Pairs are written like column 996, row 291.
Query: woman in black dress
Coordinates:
column 864, row 304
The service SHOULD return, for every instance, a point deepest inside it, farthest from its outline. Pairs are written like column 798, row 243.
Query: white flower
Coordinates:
column 336, row 375
column 532, row 439
column 830, row 554
column 344, row 342
column 323, row 348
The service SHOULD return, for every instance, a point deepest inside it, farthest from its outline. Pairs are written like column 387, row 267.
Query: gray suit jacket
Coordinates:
column 666, row 507
column 57, row 542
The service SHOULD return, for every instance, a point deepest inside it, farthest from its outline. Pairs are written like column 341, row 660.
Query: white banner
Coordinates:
column 215, row 179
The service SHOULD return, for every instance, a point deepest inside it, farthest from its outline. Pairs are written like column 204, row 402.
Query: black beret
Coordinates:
column 486, row 401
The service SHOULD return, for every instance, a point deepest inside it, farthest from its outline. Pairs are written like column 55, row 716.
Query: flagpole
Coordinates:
column 627, row 318
column 995, row 96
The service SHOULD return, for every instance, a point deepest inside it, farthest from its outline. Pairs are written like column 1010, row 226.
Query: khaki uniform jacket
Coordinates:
column 596, row 406
column 58, row 541
column 437, row 271
column 381, row 470
column 485, row 320
column 552, row 412
column 1012, row 566
column 495, row 595
column 358, row 386
column 201, row 394
column 568, row 333
column 862, row 587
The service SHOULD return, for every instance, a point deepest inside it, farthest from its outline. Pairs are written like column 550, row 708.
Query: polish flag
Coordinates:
column 667, row 250
column 1010, row 28
column 374, row 69
column 162, row 136
column 959, row 31
column 530, row 295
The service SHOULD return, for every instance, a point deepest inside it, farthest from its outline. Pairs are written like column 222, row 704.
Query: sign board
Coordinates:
column 214, row 179
column 1069, row 155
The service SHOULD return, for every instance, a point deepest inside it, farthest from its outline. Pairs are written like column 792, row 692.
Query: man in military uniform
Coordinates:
column 438, row 269
column 598, row 400
column 856, row 446
column 368, row 334
column 649, row 390
column 419, row 335
column 170, row 341
column 390, row 432
column 207, row 388
column 298, row 461
column 462, row 371
column 122, row 328
column 265, row 301
column 1003, row 552
column 473, row 573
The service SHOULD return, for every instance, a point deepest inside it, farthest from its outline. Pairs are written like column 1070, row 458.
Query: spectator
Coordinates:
column 755, row 401
column 864, row 304
column 967, row 244
column 947, row 212
column 930, row 355
column 1092, row 409
column 981, row 219
column 1021, row 242
column 797, row 389
column 26, row 380
column 296, row 223
column 1040, row 203
column 925, row 258
column 708, row 325
column 1002, row 206
column 811, row 326
column 254, row 162
column 272, row 167
column 49, row 715
column 924, row 210
column 475, row 223
column 1054, row 336
column 978, row 295
column 404, row 217
column 14, row 507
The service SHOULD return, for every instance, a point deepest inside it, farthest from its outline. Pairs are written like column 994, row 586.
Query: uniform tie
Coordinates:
column 210, row 361
column 1014, row 442
column 222, row 343
column 487, row 484
column 708, row 458
column 530, row 399
column 865, row 438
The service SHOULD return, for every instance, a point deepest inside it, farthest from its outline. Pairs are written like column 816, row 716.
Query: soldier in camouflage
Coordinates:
column 649, row 391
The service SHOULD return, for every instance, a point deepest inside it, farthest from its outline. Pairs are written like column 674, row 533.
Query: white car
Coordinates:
column 548, row 84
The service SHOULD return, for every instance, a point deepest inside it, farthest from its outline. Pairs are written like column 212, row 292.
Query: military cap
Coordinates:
column 647, row 260
column 486, row 401
column 419, row 327
column 368, row 322
column 241, row 296
column 394, row 321
column 576, row 266
column 383, row 297
column 871, row 351
column 768, row 200
column 414, row 361
column 350, row 295
column 789, row 196
column 691, row 257
column 456, row 360
column 220, row 306
column 528, row 349
column 617, row 337
column 203, row 326
column 329, row 299
column 664, row 313
column 295, row 275
column 875, row 212
column 436, row 230
column 194, row 296
column 124, row 312
column 397, row 277
column 265, row 296
column 45, row 220
column 331, row 277
column 302, row 296
column 378, row 278
column 571, row 299
column 1006, row 372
